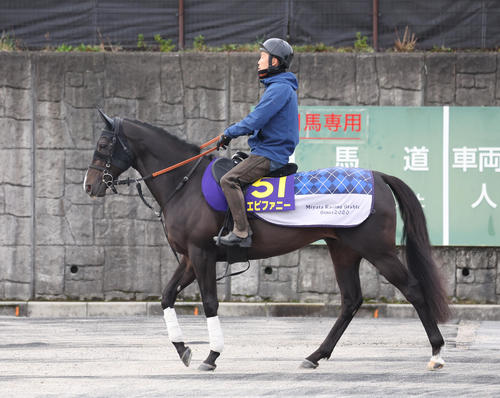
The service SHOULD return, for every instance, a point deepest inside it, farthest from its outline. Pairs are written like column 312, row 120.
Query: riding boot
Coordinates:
column 231, row 239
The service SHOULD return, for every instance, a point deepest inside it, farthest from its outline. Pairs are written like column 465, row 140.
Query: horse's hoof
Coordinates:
column 307, row 364
column 186, row 356
column 206, row 367
column 435, row 363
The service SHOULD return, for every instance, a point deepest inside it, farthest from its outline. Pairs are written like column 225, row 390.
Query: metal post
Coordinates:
column 181, row 24
column 375, row 24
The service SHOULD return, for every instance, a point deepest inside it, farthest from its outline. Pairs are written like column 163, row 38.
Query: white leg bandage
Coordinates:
column 437, row 359
column 215, row 334
column 173, row 328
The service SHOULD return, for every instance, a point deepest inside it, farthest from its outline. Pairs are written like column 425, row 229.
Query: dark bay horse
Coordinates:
column 190, row 225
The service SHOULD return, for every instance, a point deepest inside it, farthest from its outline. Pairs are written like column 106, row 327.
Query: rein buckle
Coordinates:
column 107, row 179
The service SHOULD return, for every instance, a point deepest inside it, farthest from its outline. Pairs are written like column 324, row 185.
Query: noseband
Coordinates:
column 121, row 160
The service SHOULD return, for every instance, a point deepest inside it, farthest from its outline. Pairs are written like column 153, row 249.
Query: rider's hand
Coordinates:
column 223, row 141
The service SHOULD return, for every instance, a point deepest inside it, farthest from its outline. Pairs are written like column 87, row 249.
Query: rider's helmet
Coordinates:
column 279, row 49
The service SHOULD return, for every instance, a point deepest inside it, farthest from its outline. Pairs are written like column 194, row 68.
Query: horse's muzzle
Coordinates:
column 96, row 189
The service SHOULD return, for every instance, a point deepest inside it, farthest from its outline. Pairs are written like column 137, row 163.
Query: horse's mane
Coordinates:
column 162, row 131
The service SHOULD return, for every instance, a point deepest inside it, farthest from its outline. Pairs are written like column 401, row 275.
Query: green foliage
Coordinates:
column 64, row 48
column 403, row 44
column 227, row 47
column 166, row 46
column 87, row 48
column 437, row 49
column 313, row 48
column 141, row 44
column 344, row 50
column 321, row 48
column 232, row 48
column 7, row 43
column 249, row 47
column 199, row 43
column 361, row 44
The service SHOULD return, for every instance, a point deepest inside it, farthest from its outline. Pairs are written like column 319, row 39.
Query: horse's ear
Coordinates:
column 110, row 124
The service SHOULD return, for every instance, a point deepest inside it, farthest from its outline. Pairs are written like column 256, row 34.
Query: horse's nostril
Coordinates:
column 88, row 188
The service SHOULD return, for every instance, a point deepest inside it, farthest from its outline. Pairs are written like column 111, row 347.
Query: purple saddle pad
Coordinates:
column 212, row 191
column 266, row 195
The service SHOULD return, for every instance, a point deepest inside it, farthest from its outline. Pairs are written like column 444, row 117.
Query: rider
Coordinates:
column 273, row 130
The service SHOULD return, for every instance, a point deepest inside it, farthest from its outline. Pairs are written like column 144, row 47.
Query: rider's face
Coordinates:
column 264, row 61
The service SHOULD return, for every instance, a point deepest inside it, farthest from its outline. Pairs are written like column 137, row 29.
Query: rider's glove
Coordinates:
column 223, row 141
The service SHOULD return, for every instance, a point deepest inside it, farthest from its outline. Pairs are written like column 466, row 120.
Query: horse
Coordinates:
column 190, row 225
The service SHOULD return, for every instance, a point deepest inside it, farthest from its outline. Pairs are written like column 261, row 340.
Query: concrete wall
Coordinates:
column 56, row 243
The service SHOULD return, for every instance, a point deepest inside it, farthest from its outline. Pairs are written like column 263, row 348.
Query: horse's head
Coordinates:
column 111, row 158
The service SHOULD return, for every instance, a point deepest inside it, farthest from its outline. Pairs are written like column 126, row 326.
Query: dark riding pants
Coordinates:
column 245, row 173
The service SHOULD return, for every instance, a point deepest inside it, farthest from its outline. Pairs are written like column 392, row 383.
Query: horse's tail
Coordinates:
column 418, row 248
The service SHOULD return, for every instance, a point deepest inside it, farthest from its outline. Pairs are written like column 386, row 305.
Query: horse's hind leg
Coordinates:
column 183, row 276
column 395, row 272
column 346, row 263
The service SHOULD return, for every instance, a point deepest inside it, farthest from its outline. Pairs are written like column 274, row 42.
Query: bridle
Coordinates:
column 123, row 160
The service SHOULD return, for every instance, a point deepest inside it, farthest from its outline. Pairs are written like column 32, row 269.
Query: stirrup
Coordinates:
column 231, row 239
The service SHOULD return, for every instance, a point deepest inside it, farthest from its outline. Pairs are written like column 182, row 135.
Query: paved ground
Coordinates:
column 131, row 357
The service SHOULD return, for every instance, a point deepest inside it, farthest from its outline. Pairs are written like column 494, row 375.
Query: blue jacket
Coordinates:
column 273, row 124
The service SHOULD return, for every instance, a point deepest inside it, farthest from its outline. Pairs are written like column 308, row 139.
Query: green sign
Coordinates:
column 449, row 156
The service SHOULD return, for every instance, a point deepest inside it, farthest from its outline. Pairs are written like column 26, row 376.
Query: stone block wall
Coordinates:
column 56, row 243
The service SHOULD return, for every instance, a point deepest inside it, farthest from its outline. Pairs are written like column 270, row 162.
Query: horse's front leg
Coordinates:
column 204, row 267
column 183, row 277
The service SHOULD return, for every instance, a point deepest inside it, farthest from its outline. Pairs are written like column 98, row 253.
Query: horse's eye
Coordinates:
column 102, row 146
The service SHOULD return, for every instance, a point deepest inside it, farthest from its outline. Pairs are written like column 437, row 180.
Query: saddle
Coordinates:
column 222, row 165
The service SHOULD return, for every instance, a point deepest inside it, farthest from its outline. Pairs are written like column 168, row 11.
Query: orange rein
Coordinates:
column 166, row 170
